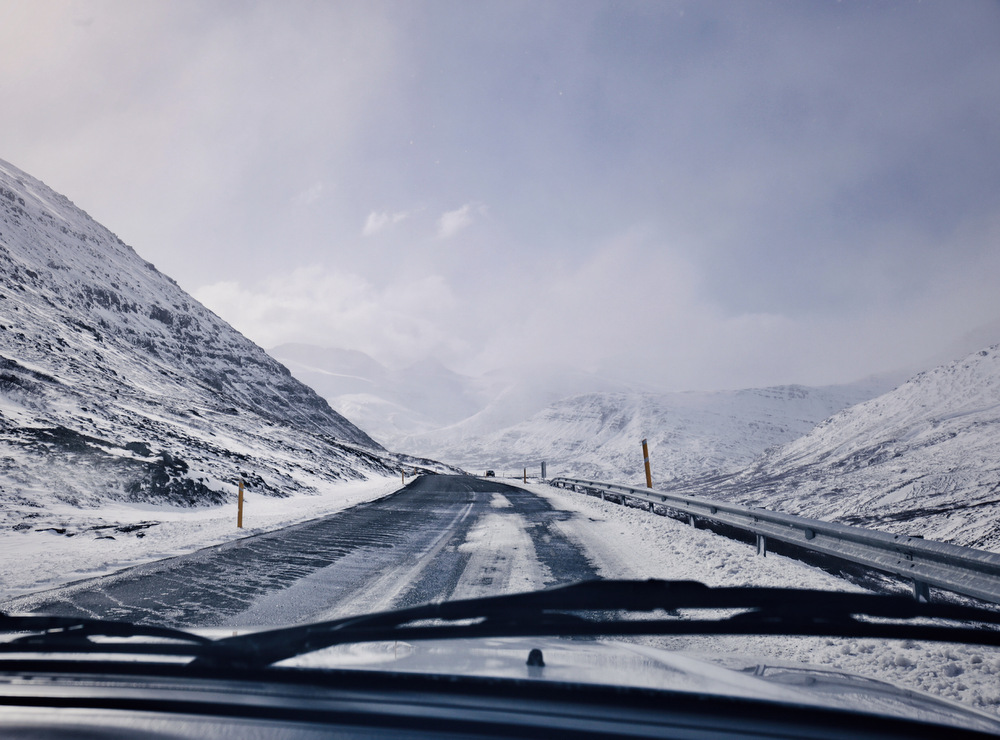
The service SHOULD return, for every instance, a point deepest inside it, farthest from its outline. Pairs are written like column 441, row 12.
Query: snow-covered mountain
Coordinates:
column 598, row 435
column 577, row 422
column 922, row 459
column 114, row 383
column 390, row 404
column 427, row 406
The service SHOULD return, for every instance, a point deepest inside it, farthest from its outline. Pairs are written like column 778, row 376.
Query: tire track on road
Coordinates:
column 440, row 537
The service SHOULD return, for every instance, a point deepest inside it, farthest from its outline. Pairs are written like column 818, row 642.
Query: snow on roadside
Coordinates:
column 624, row 542
column 68, row 544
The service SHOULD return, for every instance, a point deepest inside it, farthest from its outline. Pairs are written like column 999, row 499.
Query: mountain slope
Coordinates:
column 598, row 435
column 427, row 407
column 114, row 383
column 922, row 459
column 579, row 423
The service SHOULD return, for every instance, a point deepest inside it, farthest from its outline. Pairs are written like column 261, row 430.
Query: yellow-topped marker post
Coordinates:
column 239, row 509
column 645, row 459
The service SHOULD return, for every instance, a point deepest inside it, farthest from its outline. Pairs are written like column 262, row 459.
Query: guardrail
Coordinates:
column 925, row 563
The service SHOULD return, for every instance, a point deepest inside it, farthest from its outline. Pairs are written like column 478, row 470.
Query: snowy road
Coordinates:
column 452, row 537
column 440, row 537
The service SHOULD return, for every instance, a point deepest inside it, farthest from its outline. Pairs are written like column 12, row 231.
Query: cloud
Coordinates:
column 397, row 323
column 812, row 215
column 310, row 195
column 452, row 222
column 640, row 309
column 637, row 307
column 379, row 221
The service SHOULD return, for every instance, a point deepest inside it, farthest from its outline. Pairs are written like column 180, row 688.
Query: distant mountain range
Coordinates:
column 578, row 423
column 114, row 383
column 920, row 456
column 598, row 435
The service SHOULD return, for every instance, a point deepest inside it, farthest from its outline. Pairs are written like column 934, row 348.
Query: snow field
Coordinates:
column 624, row 542
column 93, row 544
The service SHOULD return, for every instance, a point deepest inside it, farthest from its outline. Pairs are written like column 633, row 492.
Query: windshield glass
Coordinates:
column 311, row 310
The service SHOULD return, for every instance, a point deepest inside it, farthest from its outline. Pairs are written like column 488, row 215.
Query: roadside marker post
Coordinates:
column 239, row 508
column 645, row 459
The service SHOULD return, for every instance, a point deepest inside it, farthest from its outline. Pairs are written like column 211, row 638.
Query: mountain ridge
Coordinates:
column 921, row 459
column 580, row 424
column 116, row 384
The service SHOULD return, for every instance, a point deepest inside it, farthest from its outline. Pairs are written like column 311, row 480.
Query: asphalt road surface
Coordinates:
column 438, row 538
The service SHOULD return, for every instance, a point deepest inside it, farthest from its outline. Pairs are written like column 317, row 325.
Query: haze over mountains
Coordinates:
column 579, row 423
column 115, row 384
column 921, row 458
column 413, row 406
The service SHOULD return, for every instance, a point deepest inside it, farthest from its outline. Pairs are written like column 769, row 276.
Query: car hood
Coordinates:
column 640, row 666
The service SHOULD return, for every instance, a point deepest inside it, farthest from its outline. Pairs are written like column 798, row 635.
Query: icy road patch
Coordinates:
column 502, row 556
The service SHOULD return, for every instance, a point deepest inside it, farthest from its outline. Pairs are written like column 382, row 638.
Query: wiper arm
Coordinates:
column 590, row 608
column 554, row 611
column 53, row 634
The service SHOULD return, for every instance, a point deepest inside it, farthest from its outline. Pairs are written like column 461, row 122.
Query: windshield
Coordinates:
column 311, row 310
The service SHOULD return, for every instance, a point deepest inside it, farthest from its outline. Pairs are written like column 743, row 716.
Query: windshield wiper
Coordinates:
column 591, row 608
column 595, row 608
column 54, row 634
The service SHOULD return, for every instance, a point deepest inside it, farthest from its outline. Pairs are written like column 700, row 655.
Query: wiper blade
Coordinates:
column 54, row 634
column 556, row 612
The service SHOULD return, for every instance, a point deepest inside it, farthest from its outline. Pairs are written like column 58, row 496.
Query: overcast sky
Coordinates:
column 696, row 194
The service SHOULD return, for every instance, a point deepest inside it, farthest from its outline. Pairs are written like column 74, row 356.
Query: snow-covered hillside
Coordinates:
column 577, row 422
column 427, row 406
column 922, row 459
column 598, row 435
column 389, row 403
column 115, row 384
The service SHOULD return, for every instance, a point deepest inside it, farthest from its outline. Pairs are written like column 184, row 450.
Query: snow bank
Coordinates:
column 67, row 544
column 631, row 543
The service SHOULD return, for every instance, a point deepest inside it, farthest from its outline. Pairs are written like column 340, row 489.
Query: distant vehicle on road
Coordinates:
column 490, row 474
